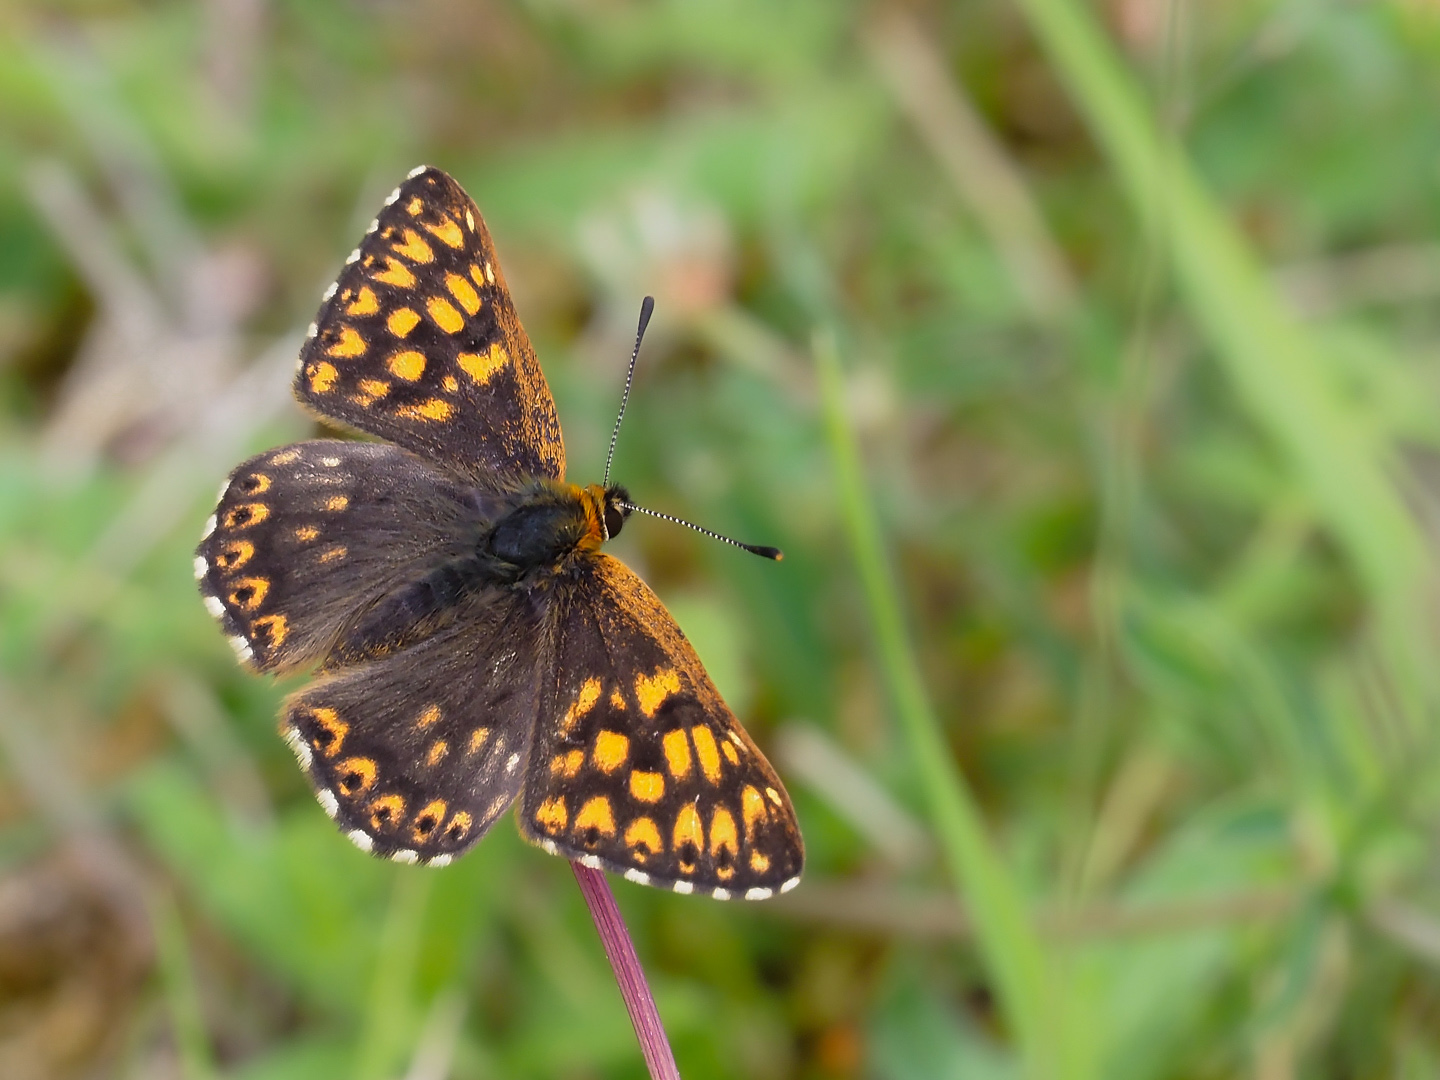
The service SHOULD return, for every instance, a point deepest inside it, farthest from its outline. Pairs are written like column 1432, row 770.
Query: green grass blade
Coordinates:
column 392, row 1015
column 177, row 974
column 1006, row 937
column 1277, row 369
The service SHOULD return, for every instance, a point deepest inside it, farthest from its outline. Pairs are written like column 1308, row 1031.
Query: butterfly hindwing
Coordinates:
column 418, row 342
column 415, row 754
column 308, row 536
column 637, row 764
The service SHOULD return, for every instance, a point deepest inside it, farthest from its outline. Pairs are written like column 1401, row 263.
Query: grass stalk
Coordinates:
column 1278, row 371
column 1005, row 934
column 389, row 1021
column 192, row 1040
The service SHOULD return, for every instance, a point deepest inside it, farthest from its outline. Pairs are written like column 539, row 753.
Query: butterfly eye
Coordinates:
column 614, row 520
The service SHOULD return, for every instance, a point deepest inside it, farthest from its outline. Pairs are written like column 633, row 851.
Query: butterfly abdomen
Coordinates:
column 414, row 610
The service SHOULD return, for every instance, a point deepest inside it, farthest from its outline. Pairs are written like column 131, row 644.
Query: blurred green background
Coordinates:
column 1083, row 357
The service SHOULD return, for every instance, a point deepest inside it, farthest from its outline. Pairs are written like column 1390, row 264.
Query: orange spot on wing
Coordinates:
column 481, row 367
column 414, row 248
column 323, row 376
column 459, row 827
column 445, row 315
column 688, row 831
column 402, row 321
column 285, row 457
column 438, row 749
column 408, row 365
column 450, row 383
column 339, row 551
column 337, row 502
column 429, row 715
column 386, row 812
column 431, row 411
column 647, row 787
column 428, row 820
column 552, row 815
column 348, row 344
column 235, row 554
column 567, row 764
column 414, row 206
column 731, row 754
column 652, row 690
column 396, row 273
column 677, row 753
column 365, row 303
column 248, row 593
column 246, row 515
column 447, row 232
column 276, row 627
column 463, row 292
column 596, row 814
column 643, row 839
column 707, row 752
column 331, row 736
column 752, row 810
column 478, row 738
column 584, row 702
column 306, row 533
column 611, row 750
column 723, row 839
column 371, row 390
column 617, row 699
column 759, row 862
column 357, row 775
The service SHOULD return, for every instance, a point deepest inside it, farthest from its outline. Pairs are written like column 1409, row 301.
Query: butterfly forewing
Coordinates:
column 637, row 765
column 417, row 753
column 308, row 536
column 417, row 342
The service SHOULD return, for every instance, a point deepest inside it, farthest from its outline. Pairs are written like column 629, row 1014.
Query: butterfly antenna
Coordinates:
column 755, row 549
column 647, row 308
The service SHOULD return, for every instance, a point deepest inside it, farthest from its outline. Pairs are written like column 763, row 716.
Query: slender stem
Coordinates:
column 1025, row 973
column 620, row 951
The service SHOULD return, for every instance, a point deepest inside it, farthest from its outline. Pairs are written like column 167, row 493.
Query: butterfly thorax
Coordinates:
column 549, row 523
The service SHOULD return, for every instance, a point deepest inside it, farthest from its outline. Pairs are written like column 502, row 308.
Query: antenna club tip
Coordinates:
column 769, row 552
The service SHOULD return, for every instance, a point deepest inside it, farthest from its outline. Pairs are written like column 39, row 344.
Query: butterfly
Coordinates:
column 473, row 646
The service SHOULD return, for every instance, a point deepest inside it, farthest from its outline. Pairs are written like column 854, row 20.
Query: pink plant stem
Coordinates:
column 628, row 972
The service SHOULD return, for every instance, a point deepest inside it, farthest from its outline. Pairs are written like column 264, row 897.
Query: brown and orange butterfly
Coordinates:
column 474, row 647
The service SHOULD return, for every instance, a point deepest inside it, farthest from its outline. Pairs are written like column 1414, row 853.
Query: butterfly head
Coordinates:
column 607, row 507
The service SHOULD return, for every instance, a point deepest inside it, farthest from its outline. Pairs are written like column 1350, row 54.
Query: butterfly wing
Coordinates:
column 416, row 753
column 637, row 765
column 307, row 537
column 417, row 342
